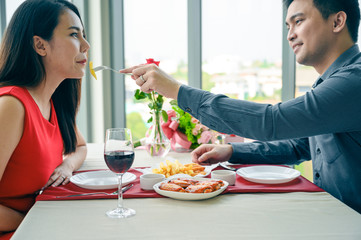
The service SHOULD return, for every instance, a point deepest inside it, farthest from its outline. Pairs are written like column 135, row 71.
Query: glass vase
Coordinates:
column 157, row 143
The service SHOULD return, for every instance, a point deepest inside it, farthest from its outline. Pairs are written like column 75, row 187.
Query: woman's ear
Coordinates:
column 339, row 21
column 39, row 45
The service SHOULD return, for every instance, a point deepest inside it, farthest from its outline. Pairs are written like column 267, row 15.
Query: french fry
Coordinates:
column 172, row 168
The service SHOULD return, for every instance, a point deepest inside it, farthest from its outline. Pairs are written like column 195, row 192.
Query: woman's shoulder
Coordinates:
column 13, row 90
column 12, row 99
column 12, row 113
column 11, row 104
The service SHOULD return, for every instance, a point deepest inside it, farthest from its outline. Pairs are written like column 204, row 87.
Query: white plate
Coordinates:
column 190, row 196
column 268, row 174
column 101, row 179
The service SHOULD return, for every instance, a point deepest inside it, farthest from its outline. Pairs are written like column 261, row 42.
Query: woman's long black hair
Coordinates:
column 20, row 65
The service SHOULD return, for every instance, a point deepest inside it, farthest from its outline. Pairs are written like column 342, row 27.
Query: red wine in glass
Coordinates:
column 119, row 157
column 119, row 161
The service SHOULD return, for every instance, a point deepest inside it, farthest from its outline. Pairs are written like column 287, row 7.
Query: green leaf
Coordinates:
column 174, row 102
column 160, row 99
column 151, row 105
column 137, row 144
column 159, row 105
column 139, row 94
column 150, row 120
column 165, row 116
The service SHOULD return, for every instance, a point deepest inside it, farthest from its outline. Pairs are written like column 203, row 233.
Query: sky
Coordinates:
column 251, row 29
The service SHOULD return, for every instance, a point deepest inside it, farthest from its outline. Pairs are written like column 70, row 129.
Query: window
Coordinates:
column 245, row 34
column 11, row 6
column 242, row 49
column 153, row 32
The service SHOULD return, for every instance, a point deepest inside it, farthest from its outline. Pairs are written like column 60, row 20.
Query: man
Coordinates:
column 323, row 125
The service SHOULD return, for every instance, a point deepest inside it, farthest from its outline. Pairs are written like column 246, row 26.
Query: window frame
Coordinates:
column 2, row 17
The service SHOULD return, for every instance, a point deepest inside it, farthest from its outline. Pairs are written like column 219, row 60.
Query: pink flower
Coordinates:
column 196, row 129
column 171, row 114
column 214, row 136
column 204, row 128
column 205, row 137
column 194, row 120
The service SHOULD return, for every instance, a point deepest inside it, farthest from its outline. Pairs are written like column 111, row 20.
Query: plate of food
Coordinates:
column 104, row 179
column 174, row 167
column 190, row 188
column 268, row 174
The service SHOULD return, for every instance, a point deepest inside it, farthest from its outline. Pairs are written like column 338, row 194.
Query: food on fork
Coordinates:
column 92, row 72
column 172, row 168
column 191, row 185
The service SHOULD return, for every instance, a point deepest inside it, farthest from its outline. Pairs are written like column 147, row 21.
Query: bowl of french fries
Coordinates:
column 170, row 168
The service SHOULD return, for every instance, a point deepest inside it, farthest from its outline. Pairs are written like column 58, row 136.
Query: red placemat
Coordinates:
column 299, row 184
column 7, row 236
column 58, row 193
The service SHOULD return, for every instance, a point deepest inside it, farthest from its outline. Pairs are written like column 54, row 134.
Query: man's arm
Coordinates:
column 293, row 151
column 329, row 108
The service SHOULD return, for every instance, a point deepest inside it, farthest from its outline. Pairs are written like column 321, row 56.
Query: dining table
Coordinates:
column 230, row 215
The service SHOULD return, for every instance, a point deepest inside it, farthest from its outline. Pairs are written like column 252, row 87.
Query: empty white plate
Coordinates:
column 100, row 179
column 268, row 174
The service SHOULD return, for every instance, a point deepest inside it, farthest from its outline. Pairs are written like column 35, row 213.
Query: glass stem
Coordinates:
column 120, row 192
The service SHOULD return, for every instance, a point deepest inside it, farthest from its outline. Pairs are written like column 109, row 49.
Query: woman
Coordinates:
column 42, row 60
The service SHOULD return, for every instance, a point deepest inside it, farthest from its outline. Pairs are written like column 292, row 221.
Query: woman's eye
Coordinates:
column 74, row 34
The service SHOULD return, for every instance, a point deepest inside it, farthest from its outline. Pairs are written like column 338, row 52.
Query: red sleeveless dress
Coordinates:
column 38, row 153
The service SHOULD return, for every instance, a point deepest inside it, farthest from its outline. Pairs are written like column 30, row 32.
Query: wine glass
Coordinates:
column 119, row 157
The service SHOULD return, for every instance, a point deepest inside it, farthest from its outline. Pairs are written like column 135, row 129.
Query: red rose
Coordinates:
column 151, row 60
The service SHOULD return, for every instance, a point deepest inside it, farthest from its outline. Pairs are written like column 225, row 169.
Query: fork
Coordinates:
column 86, row 194
column 99, row 68
column 95, row 193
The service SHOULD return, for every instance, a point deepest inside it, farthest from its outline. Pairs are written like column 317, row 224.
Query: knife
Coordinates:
column 95, row 193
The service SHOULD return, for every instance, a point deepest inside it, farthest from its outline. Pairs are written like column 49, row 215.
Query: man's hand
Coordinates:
column 151, row 78
column 211, row 153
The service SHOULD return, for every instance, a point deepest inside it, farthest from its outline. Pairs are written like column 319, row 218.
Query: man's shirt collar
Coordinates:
column 343, row 60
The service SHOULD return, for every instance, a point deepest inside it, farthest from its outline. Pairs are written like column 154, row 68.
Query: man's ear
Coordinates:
column 339, row 21
column 39, row 45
